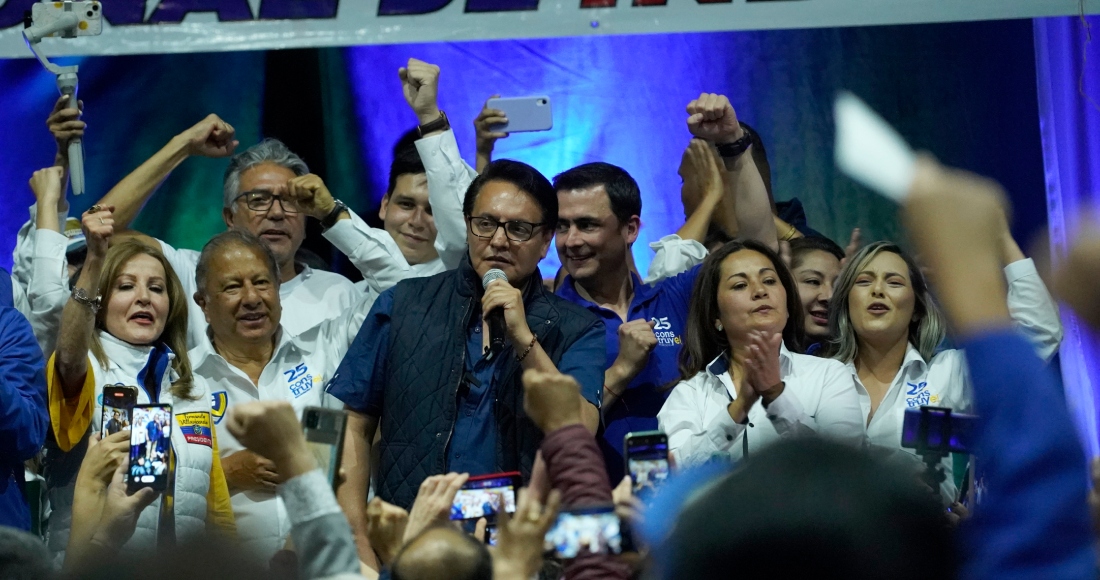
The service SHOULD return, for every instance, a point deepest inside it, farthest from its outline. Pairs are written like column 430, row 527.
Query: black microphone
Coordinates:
column 495, row 317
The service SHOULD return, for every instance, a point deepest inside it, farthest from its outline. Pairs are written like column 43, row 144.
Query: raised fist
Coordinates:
column 711, row 117
column 210, row 137
column 420, row 85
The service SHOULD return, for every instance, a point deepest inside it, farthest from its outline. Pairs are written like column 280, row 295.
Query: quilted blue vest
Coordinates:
column 424, row 369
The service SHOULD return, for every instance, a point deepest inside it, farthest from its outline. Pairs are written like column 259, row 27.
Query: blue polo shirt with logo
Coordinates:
column 665, row 302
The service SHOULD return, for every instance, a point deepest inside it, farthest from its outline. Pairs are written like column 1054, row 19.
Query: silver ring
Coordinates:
column 100, row 221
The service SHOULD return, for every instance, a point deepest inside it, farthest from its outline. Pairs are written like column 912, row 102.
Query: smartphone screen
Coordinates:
column 945, row 431
column 324, row 431
column 150, row 446
column 596, row 530
column 481, row 496
column 647, row 461
column 117, row 402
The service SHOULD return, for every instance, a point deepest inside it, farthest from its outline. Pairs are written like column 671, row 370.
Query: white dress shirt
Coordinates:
column 374, row 252
column 297, row 372
column 674, row 255
column 817, row 399
column 944, row 381
column 40, row 279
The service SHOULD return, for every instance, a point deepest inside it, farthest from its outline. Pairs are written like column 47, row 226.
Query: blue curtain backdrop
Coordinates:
column 964, row 91
column 1070, row 114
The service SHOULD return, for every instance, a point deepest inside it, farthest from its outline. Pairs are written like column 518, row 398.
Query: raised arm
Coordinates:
column 711, row 117
column 1034, row 471
column 486, row 136
column 448, row 175
column 1033, row 310
column 48, row 283
column 211, row 137
column 78, row 318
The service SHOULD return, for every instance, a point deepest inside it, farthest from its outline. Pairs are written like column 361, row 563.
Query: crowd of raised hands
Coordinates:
column 752, row 340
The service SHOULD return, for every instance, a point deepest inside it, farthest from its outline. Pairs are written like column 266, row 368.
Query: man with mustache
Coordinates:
column 424, row 370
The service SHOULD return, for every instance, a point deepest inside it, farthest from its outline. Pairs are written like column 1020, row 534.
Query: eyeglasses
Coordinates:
column 517, row 231
column 260, row 200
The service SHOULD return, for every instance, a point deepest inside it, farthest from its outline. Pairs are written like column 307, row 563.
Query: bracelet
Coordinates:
column 80, row 296
column 520, row 358
column 790, row 234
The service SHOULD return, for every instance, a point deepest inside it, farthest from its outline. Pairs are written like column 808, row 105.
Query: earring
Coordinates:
column 718, row 326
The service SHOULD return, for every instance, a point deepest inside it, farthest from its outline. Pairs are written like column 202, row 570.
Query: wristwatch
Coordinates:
column 440, row 124
column 81, row 297
column 333, row 216
column 735, row 149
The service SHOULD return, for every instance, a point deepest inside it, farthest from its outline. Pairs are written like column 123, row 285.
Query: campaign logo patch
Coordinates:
column 662, row 329
column 219, row 402
column 195, row 428
column 918, row 394
column 299, row 381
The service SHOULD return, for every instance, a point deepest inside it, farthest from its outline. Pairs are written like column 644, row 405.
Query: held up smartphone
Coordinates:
column 324, row 430
column 524, row 114
column 646, row 454
column 481, row 496
column 938, row 429
column 89, row 16
column 150, row 447
column 118, row 400
column 593, row 529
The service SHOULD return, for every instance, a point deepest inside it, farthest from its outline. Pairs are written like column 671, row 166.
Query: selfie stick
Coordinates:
column 66, row 83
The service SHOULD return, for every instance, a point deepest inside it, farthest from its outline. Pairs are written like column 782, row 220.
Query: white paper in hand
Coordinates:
column 870, row 151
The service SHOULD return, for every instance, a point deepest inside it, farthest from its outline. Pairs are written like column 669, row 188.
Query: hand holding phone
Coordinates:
column 523, row 114
column 596, row 530
column 150, row 447
column 646, row 456
column 482, row 496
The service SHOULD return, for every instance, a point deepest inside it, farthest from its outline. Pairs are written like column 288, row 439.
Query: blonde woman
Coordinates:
column 126, row 324
column 887, row 330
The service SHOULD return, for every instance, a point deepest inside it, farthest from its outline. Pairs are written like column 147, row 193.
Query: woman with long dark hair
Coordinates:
column 743, row 382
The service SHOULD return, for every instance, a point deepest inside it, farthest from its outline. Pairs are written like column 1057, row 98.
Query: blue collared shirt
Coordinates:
column 24, row 417
column 666, row 303
column 473, row 445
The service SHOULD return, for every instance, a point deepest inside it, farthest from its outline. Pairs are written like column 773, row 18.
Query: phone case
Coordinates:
column 524, row 114
column 89, row 13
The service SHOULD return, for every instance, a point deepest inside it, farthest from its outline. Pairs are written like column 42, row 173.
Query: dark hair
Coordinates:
column 622, row 191
column 406, row 160
column 813, row 508
column 702, row 341
column 23, row 556
column 802, row 246
column 233, row 237
column 526, row 178
column 716, row 237
column 465, row 559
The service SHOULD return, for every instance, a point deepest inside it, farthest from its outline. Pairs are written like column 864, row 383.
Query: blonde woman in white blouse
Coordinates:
column 888, row 330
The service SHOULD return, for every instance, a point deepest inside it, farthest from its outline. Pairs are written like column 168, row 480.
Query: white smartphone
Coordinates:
column 524, row 114
column 89, row 15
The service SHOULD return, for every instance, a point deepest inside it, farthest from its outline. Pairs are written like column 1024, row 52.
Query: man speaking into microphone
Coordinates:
column 438, row 362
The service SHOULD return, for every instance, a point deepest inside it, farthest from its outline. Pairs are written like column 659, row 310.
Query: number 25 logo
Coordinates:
column 661, row 323
column 295, row 373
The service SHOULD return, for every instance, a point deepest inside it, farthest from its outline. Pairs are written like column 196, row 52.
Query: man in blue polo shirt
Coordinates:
column 598, row 221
